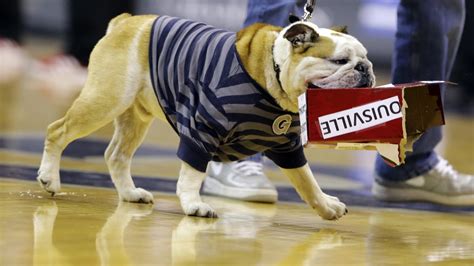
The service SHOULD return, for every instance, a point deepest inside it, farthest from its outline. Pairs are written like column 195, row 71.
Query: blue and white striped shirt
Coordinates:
column 219, row 112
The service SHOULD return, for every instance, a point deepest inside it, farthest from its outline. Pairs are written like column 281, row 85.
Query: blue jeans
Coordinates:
column 427, row 39
column 275, row 12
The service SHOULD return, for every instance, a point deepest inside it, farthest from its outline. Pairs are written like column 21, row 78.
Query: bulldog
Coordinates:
column 227, row 95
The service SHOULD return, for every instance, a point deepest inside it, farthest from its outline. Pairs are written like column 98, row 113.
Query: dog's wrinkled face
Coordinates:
column 309, row 56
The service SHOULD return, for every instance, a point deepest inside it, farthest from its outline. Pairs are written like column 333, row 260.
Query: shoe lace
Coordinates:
column 446, row 169
column 249, row 168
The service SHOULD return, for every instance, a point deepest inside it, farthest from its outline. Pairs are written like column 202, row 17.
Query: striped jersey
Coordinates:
column 219, row 112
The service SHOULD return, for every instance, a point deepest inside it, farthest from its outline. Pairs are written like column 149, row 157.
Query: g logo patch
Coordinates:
column 281, row 124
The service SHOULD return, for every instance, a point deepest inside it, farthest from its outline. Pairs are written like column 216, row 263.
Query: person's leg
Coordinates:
column 272, row 12
column 88, row 23
column 14, row 58
column 463, row 102
column 10, row 20
column 427, row 40
column 428, row 34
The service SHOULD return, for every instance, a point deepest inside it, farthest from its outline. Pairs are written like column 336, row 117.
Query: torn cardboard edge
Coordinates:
column 368, row 118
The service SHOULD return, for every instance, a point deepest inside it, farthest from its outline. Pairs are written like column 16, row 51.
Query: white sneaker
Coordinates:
column 442, row 184
column 242, row 180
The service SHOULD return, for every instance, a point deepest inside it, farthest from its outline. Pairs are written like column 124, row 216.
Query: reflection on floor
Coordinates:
column 86, row 226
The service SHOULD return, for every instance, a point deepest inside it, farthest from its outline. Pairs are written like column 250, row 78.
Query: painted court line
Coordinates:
column 288, row 194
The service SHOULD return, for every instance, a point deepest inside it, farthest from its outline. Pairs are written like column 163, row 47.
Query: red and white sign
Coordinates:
column 387, row 119
column 361, row 117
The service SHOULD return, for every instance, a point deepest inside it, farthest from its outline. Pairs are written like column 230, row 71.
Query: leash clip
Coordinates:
column 308, row 10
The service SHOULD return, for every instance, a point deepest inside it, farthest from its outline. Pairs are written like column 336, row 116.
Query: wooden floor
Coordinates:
column 87, row 225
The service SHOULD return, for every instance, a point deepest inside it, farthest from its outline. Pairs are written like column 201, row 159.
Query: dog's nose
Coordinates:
column 361, row 68
column 366, row 80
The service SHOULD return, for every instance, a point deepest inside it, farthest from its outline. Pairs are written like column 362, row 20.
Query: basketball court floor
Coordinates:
column 85, row 224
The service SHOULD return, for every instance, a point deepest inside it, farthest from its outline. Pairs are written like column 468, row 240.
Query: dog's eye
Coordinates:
column 340, row 61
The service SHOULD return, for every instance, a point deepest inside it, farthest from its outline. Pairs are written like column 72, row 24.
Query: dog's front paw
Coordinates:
column 332, row 208
column 199, row 209
column 137, row 195
column 49, row 183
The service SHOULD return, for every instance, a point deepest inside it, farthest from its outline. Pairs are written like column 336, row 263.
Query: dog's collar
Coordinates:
column 276, row 68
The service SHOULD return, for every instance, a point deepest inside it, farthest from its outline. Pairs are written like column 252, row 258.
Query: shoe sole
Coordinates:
column 214, row 187
column 412, row 194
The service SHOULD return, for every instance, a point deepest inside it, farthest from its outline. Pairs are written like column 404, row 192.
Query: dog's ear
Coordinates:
column 292, row 18
column 341, row 29
column 301, row 35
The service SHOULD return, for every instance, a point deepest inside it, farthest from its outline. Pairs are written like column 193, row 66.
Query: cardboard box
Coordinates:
column 388, row 118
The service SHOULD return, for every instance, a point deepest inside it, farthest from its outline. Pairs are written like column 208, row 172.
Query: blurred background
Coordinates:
column 46, row 25
column 372, row 21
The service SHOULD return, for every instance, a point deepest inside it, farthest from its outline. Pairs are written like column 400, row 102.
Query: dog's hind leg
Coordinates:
column 116, row 74
column 88, row 113
column 130, row 129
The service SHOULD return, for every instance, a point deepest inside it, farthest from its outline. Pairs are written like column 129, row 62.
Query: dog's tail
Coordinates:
column 117, row 21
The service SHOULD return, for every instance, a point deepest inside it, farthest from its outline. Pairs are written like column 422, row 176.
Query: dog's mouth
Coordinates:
column 313, row 86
